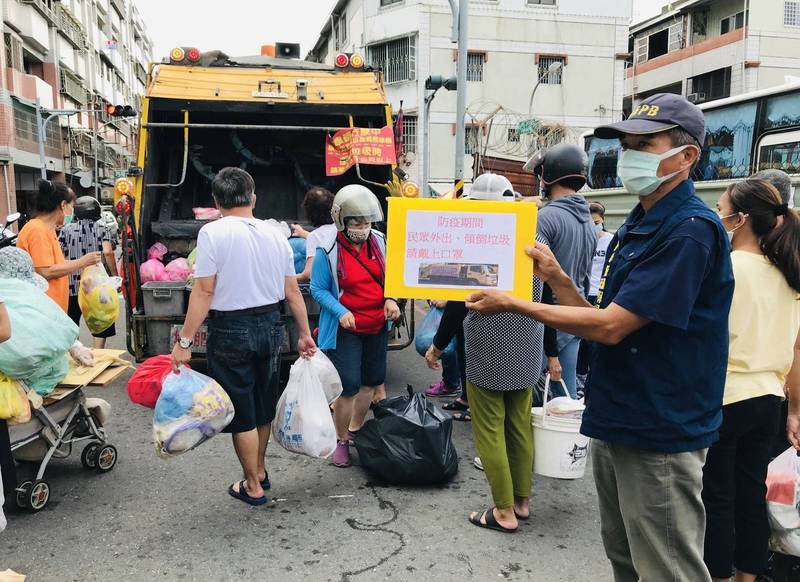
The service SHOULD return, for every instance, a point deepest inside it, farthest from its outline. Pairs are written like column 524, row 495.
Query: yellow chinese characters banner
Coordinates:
column 448, row 249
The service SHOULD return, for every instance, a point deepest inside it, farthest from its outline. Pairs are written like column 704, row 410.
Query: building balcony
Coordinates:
column 33, row 27
column 70, row 27
column 119, row 5
column 72, row 87
column 44, row 7
column 677, row 66
column 140, row 73
column 30, row 88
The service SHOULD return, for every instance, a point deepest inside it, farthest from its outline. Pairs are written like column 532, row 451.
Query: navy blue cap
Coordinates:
column 657, row 113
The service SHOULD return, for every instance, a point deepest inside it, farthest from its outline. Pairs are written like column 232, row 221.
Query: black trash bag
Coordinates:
column 408, row 442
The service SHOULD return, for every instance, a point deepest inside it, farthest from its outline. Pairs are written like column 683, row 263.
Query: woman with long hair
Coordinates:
column 763, row 324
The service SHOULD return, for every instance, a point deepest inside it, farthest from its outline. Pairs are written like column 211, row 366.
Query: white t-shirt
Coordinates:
column 322, row 236
column 250, row 260
column 598, row 261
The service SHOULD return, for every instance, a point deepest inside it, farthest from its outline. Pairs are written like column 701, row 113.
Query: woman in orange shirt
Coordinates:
column 38, row 237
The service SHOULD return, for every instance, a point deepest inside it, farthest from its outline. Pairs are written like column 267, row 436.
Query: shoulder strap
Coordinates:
column 360, row 262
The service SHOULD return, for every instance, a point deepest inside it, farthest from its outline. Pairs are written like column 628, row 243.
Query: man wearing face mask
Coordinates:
column 654, row 392
column 566, row 226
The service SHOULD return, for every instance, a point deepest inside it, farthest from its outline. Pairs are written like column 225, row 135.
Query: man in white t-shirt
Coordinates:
column 244, row 270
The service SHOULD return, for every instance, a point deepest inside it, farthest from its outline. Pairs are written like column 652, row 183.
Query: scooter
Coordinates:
column 8, row 237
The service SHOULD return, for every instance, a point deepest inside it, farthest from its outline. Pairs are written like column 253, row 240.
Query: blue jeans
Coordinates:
column 568, row 346
column 451, row 372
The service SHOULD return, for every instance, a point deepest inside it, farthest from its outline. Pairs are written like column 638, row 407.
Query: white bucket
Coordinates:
column 560, row 450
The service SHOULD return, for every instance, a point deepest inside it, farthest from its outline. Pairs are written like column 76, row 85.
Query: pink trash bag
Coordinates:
column 206, row 213
column 157, row 251
column 152, row 270
column 178, row 270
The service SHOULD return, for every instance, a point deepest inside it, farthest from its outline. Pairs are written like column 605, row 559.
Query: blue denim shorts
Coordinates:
column 359, row 359
column 243, row 356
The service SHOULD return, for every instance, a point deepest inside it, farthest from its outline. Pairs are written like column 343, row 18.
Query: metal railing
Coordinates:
column 70, row 26
column 72, row 87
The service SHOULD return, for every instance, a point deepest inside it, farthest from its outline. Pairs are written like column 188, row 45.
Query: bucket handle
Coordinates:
column 546, row 399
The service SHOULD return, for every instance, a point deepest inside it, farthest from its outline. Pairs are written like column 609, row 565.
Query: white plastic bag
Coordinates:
column 327, row 374
column 191, row 409
column 783, row 496
column 303, row 422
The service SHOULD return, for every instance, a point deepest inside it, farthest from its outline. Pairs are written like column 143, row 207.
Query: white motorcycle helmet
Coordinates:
column 355, row 201
column 494, row 187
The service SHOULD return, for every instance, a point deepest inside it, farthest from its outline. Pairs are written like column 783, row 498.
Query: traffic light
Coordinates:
column 436, row 82
column 120, row 110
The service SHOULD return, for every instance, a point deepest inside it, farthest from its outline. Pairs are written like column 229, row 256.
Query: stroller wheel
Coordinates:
column 88, row 455
column 106, row 458
column 22, row 494
column 38, row 495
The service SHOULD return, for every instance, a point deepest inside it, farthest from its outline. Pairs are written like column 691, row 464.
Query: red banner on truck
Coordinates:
column 358, row 145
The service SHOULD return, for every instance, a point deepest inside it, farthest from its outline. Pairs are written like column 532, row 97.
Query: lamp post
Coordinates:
column 554, row 67
column 432, row 83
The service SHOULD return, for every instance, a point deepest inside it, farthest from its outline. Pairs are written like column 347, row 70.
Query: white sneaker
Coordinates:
column 477, row 463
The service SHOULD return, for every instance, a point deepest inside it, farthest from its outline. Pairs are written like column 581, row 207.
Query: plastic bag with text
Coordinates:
column 327, row 374
column 303, row 423
column 191, row 409
column 783, row 497
column 98, row 298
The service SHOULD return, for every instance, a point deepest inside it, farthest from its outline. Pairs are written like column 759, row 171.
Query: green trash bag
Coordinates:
column 41, row 336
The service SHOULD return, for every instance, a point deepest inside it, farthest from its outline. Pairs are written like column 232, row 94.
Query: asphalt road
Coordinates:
column 151, row 519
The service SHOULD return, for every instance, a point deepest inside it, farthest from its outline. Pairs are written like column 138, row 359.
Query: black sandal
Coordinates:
column 463, row 416
column 456, row 406
column 491, row 522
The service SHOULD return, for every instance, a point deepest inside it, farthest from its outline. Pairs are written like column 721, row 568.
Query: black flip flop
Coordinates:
column 462, row 415
column 242, row 495
column 265, row 484
column 491, row 522
column 520, row 517
column 455, row 405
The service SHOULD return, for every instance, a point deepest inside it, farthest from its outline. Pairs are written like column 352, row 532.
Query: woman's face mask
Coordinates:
column 732, row 231
column 598, row 228
column 639, row 170
column 358, row 232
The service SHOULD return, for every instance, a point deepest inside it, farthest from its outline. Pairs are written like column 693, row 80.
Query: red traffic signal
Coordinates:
column 120, row 110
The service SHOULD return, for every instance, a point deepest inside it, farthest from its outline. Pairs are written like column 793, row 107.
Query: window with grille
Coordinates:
column 340, row 31
column 409, row 134
column 396, row 58
column 550, row 78
column 791, row 13
column 475, row 66
column 513, row 135
column 13, row 52
column 390, row 2
column 471, row 143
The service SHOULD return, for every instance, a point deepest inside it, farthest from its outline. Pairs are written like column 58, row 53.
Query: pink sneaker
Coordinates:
column 442, row 389
column 341, row 456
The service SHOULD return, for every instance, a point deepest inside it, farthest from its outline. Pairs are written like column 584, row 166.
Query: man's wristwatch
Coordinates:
column 185, row 343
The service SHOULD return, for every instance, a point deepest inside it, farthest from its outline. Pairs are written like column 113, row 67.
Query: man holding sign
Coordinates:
column 654, row 392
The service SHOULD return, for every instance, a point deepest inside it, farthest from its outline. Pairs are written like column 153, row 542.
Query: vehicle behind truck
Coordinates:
column 271, row 116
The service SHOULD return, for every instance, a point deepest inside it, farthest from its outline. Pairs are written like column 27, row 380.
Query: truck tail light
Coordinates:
column 342, row 60
column 193, row 55
column 357, row 61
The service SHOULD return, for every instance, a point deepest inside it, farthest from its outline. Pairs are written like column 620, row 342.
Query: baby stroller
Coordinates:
column 51, row 432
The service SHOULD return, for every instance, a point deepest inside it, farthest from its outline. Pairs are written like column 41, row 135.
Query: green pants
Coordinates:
column 501, row 427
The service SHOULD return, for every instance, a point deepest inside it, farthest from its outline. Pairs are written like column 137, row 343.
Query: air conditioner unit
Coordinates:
column 696, row 97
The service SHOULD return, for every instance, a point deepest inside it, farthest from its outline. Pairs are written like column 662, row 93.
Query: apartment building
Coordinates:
column 573, row 50
column 712, row 49
column 68, row 54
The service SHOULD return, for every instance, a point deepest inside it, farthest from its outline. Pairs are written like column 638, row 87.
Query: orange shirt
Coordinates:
column 41, row 243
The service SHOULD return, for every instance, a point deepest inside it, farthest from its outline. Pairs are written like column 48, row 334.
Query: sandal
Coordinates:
column 491, row 522
column 464, row 416
column 242, row 495
column 522, row 518
column 455, row 405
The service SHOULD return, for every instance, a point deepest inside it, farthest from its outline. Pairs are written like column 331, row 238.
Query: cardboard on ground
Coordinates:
column 449, row 249
column 107, row 368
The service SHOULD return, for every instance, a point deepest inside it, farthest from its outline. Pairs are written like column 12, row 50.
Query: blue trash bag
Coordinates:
column 299, row 249
column 191, row 409
column 41, row 336
column 427, row 331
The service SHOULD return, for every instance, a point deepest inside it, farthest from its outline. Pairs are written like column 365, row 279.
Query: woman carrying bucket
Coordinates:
column 503, row 357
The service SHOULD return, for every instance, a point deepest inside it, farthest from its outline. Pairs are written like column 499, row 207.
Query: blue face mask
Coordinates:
column 639, row 170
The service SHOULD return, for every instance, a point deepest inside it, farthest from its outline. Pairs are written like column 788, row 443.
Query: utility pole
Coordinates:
column 461, row 102
column 432, row 83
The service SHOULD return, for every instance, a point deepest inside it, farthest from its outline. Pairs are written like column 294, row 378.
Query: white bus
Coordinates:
column 744, row 134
